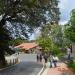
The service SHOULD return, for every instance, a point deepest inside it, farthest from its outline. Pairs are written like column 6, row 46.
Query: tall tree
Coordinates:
column 45, row 43
column 17, row 41
column 53, row 31
column 32, row 13
column 70, row 27
column 57, row 35
column 51, row 38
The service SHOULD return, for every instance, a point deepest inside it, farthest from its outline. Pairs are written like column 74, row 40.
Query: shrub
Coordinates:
column 56, row 50
column 71, row 64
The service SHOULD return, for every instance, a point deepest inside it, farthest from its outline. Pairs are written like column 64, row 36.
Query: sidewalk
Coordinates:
column 61, row 67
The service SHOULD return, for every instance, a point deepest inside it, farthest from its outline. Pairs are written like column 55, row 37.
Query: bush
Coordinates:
column 71, row 64
column 56, row 50
column 61, row 54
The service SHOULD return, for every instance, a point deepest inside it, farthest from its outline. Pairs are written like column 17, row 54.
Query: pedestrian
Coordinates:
column 51, row 60
column 45, row 57
column 55, row 59
column 69, row 53
column 71, row 47
column 43, row 61
column 40, row 57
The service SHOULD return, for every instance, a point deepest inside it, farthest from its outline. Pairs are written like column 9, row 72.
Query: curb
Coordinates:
column 10, row 66
column 40, row 73
column 45, row 71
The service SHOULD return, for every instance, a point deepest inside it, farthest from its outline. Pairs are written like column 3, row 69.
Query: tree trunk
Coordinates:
column 3, row 41
column 73, row 49
column 2, row 58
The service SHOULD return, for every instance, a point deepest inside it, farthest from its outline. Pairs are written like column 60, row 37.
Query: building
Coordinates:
column 29, row 47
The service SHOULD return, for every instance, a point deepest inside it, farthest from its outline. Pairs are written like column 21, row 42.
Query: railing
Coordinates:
column 11, row 59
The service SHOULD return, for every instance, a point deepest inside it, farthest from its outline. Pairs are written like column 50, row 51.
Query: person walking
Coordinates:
column 69, row 53
column 55, row 59
column 51, row 60
column 40, row 57
column 71, row 47
column 43, row 61
column 37, row 58
column 45, row 57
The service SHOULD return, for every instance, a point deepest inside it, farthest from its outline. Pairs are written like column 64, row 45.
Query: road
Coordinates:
column 28, row 66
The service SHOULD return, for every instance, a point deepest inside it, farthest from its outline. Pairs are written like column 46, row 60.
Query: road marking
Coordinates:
column 41, row 71
column 45, row 72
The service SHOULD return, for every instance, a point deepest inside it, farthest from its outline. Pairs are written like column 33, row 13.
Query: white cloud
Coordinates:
column 65, row 8
column 63, row 22
column 63, row 3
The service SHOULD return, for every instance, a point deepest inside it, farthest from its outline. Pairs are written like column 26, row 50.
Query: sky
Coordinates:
column 65, row 7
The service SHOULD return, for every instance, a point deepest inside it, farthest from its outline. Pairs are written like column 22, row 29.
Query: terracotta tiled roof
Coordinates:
column 27, row 46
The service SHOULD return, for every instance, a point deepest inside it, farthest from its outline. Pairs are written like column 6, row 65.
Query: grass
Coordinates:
column 71, row 64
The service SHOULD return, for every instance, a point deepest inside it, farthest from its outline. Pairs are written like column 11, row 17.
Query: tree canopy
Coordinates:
column 54, row 32
column 70, row 27
column 51, row 38
column 45, row 43
column 31, row 13
column 18, row 41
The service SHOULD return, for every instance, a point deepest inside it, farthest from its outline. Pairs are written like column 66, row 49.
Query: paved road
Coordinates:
column 28, row 66
column 27, row 57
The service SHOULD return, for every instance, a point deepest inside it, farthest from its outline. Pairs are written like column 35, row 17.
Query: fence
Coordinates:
column 11, row 60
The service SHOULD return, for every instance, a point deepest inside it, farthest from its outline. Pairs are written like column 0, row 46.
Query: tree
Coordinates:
column 18, row 41
column 54, row 32
column 70, row 27
column 45, row 43
column 31, row 13
column 57, row 35
column 48, row 45
column 51, row 38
